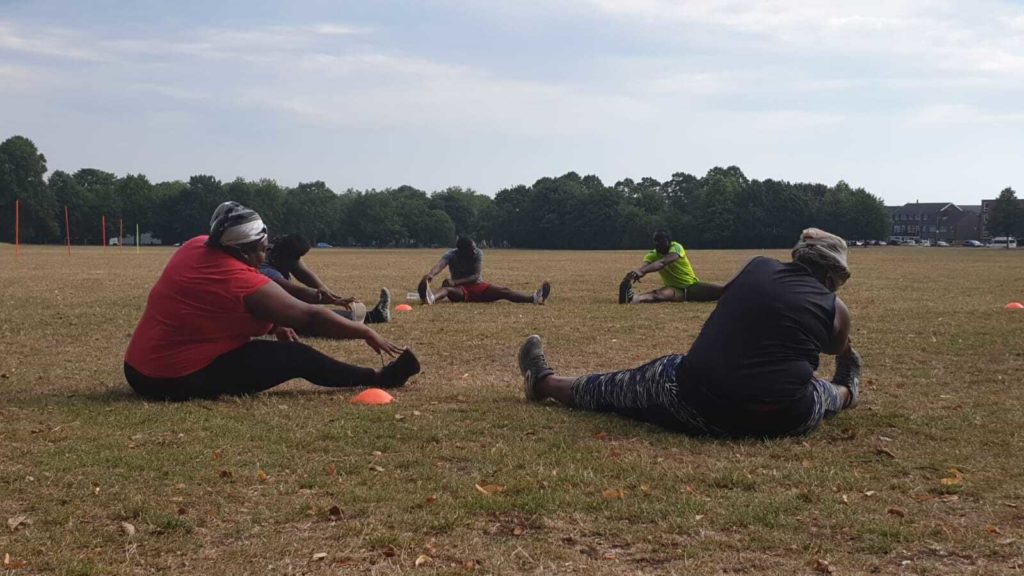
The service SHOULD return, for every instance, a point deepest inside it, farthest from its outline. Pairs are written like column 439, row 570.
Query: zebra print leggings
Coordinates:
column 650, row 393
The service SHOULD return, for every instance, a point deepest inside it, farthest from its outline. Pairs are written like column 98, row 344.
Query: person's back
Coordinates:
column 758, row 350
column 195, row 312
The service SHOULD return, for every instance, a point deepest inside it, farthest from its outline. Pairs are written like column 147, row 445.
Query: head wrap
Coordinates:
column 235, row 225
column 822, row 250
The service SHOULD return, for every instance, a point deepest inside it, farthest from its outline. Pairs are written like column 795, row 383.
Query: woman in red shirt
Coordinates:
column 195, row 337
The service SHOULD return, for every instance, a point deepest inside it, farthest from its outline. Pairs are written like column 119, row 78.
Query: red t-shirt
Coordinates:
column 195, row 312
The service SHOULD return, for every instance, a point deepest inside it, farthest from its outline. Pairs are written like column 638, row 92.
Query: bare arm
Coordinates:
column 467, row 280
column 654, row 266
column 308, row 295
column 840, row 330
column 272, row 304
column 441, row 265
column 308, row 277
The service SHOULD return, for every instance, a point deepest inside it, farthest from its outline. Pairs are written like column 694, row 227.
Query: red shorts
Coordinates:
column 474, row 292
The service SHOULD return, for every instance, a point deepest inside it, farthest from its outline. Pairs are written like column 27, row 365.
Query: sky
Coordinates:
column 913, row 100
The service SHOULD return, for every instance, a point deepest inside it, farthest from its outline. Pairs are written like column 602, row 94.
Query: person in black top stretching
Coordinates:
column 750, row 372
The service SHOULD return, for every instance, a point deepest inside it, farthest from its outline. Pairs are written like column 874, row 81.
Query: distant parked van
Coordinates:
column 1003, row 242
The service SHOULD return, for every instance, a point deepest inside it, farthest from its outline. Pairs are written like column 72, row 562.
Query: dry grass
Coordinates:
column 873, row 491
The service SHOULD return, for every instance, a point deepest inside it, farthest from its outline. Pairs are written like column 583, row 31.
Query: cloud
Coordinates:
column 963, row 114
column 941, row 35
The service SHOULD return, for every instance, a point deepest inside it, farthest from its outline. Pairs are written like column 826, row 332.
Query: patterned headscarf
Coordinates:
column 825, row 251
column 235, row 225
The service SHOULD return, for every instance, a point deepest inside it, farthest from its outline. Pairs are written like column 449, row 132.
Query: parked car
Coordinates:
column 1003, row 242
column 323, row 245
column 942, row 244
column 973, row 244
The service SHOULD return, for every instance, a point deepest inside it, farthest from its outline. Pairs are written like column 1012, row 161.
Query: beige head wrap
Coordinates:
column 823, row 250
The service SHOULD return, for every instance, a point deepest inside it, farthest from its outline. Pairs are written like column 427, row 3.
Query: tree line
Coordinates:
column 722, row 209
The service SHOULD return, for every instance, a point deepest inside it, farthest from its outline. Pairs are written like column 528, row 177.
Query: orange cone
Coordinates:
column 403, row 308
column 373, row 397
column 1014, row 306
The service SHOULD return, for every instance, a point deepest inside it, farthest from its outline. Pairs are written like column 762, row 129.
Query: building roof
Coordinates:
column 975, row 208
column 923, row 207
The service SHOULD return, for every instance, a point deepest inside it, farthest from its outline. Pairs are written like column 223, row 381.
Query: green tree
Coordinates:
column 1007, row 216
column 22, row 168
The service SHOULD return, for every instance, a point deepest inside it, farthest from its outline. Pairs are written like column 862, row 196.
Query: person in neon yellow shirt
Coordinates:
column 669, row 260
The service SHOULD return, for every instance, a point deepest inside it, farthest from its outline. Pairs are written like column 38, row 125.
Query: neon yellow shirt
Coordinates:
column 678, row 274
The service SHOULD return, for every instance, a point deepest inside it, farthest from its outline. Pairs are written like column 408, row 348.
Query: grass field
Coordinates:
column 462, row 475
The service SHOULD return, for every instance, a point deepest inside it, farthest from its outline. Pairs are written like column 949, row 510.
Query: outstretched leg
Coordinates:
column 704, row 292
column 494, row 293
column 663, row 294
column 647, row 393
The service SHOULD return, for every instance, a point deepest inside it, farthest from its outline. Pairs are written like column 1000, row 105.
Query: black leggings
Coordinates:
column 254, row 367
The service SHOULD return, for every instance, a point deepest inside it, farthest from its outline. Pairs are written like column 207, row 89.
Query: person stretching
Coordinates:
column 198, row 335
column 284, row 260
column 750, row 372
column 466, row 285
column 680, row 284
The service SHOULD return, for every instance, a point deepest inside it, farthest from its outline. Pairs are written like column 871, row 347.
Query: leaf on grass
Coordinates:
column 956, row 479
column 319, row 556
column 489, row 489
column 822, row 566
column 334, row 514
column 602, row 436
column 470, row 565
column 217, row 454
column 225, row 474
column 331, row 470
column 389, row 551
column 422, row 560
column 261, row 475
column 894, row 511
column 399, row 417
column 870, row 493
column 518, row 531
column 375, row 468
column 613, row 494
column 12, row 564
column 17, row 522
column 883, row 451
column 182, row 511
column 431, row 499
column 992, row 529
column 949, row 498
column 127, row 529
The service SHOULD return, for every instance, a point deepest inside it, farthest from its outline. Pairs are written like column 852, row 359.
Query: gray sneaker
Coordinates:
column 426, row 296
column 626, row 291
column 542, row 293
column 533, row 366
column 382, row 311
column 848, row 374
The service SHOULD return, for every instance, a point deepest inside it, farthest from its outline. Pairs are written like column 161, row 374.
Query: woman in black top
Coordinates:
column 750, row 372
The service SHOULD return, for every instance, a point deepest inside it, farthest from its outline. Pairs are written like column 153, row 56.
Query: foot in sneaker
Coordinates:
column 533, row 366
column 426, row 296
column 382, row 311
column 848, row 374
column 542, row 293
column 626, row 291
column 399, row 370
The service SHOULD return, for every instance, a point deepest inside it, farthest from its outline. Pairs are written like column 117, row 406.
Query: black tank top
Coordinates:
column 759, row 348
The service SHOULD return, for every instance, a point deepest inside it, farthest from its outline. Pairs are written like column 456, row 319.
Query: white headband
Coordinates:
column 244, row 233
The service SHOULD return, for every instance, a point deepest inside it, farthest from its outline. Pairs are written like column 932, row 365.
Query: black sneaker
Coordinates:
column 848, row 374
column 399, row 370
column 533, row 366
column 626, row 291
column 542, row 293
column 426, row 296
column 381, row 313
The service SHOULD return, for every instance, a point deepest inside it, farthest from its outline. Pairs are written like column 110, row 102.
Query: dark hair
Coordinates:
column 288, row 247
column 662, row 235
column 464, row 244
